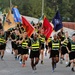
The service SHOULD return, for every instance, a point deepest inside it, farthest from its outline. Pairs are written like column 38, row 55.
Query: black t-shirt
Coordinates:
column 69, row 46
column 62, row 38
column 18, row 37
column 13, row 36
column 50, row 43
column 1, row 27
column 30, row 43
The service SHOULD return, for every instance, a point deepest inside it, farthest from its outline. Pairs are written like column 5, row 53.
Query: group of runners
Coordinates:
column 58, row 46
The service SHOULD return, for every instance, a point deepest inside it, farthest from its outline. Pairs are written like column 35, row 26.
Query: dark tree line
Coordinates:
column 33, row 8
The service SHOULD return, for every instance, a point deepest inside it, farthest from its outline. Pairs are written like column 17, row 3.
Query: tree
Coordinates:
column 33, row 8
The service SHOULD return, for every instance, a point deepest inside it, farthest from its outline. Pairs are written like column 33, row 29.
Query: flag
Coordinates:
column 9, row 23
column 16, row 14
column 47, row 28
column 28, row 27
column 57, row 22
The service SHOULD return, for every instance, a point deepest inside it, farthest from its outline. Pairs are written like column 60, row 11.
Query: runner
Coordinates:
column 71, row 51
column 25, row 49
column 19, row 47
column 14, row 45
column 64, row 51
column 54, row 46
column 2, row 43
column 61, row 37
column 42, row 41
column 46, row 46
column 34, row 54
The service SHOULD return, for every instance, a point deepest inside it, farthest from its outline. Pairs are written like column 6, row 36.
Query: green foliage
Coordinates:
column 33, row 8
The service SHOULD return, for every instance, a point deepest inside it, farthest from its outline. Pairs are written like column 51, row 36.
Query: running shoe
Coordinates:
column 72, row 70
column 42, row 62
column 52, row 69
column 23, row 65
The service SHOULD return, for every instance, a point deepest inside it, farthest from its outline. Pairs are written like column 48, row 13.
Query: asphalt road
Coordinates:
column 10, row 66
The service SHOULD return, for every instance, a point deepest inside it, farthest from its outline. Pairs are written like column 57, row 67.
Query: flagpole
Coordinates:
column 57, row 7
column 10, row 4
column 42, row 7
